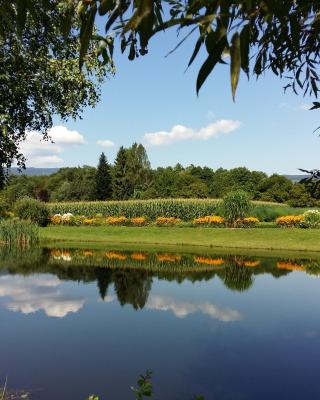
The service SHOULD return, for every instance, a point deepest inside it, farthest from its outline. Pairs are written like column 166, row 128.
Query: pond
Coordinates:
column 79, row 321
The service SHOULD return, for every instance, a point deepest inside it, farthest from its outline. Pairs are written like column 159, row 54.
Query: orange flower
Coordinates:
column 209, row 261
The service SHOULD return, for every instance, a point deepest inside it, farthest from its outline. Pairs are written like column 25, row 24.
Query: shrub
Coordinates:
column 290, row 221
column 167, row 221
column 209, row 220
column 236, row 205
column 312, row 218
column 32, row 210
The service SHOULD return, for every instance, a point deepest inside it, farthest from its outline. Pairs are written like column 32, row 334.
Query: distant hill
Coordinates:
column 33, row 171
column 48, row 171
column 296, row 178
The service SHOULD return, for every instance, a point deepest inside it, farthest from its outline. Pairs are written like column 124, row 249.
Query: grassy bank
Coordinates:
column 258, row 238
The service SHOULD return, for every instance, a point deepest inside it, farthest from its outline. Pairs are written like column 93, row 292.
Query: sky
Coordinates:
column 153, row 101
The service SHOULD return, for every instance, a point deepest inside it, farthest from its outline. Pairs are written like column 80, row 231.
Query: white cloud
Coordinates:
column 41, row 152
column 181, row 132
column 40, row 161
column 182, row 309
column 105, row 143
column 62, row 135
column 35, row 293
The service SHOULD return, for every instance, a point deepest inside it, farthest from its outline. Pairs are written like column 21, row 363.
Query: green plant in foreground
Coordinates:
column 3, row 391
column 32, row 210
column 144, row 388
column 21, row 233
column 236, row 206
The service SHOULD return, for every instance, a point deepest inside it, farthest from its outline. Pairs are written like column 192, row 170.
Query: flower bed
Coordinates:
column 209, row 220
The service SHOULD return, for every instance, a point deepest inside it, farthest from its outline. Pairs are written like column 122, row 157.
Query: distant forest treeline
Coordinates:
column 131, row 177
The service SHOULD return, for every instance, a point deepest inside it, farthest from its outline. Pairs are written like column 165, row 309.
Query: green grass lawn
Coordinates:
column 258, row 238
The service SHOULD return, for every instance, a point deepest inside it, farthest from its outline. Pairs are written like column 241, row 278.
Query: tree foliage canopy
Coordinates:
column 259, row 35
column 277, row 35
column 39, row 73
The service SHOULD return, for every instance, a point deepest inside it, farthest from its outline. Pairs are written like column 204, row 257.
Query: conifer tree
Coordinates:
column 121, row 184
column 103, row 181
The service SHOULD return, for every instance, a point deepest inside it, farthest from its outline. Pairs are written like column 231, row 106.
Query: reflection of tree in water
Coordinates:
column 104, row 278
column 237, row 277
column 133, row 281
column 132, row 287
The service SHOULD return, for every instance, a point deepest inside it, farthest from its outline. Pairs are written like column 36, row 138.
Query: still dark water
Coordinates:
column 77, row 322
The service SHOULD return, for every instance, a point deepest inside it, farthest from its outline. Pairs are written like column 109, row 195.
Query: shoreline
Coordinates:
column 268, row 239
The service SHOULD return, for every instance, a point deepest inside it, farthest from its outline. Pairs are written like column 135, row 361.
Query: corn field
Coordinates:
column 184, row 209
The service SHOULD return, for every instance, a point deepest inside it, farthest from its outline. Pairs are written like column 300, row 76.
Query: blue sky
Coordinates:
column 264, row 129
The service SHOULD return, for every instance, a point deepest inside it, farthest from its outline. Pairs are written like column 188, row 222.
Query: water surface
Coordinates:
column 78, row 321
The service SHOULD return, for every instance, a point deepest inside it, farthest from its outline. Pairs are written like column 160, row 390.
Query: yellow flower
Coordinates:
column 209, row 220
column 88, row 221
column 138, row 221
column 116, row 220
column 289, row 220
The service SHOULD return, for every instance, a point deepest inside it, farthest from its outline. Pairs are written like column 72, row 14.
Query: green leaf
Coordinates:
column 235, row 54
column 245, row 48
column 205, row 71
column 86, row 35
column 106, row 6
column 196, row 50
column 213, row 58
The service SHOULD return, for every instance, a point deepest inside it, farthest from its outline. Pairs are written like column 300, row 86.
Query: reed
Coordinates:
column 19, row 233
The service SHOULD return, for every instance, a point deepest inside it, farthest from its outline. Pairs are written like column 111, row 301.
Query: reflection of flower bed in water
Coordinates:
column 174, row 262
column 132, row 272
column 209, row 261
column 159, row 262
column 291, row 266
column 168, row 257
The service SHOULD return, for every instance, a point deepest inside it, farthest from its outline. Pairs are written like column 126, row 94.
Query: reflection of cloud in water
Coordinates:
column 109, row 299
column 182, row 309
column 34, row 293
